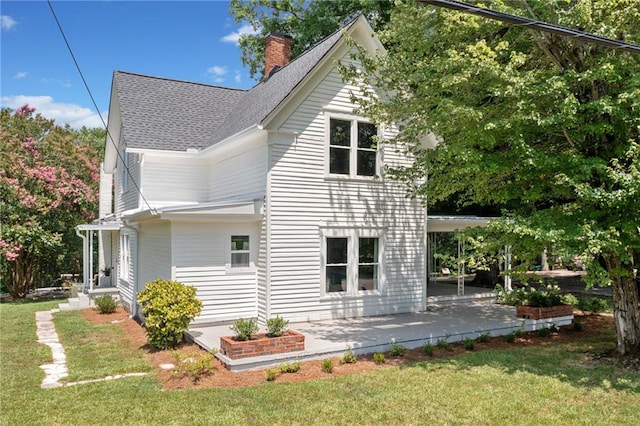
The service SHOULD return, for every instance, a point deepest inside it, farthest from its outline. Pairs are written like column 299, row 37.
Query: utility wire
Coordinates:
column 95, row 105
column 533, row 24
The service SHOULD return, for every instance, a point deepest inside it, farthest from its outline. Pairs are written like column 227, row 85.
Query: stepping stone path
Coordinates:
column 57, row 370
column 47, row 335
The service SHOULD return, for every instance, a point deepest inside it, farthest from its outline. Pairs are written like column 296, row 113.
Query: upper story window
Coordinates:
column 124, row 177
column 352, row 148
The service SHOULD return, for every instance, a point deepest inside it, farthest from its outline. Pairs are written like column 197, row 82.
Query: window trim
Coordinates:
column 353, row 149
column 352, row 235
column 230, row 269
column 125, row 256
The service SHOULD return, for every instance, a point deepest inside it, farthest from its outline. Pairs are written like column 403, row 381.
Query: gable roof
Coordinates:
column 164, row 114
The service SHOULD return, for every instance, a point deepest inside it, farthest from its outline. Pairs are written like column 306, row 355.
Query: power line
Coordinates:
column 531, row 23
column 95, row 105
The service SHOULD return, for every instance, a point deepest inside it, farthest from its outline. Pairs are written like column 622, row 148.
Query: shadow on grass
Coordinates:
column 579, row 363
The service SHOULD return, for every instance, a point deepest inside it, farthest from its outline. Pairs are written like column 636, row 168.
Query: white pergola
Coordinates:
column 450, row 224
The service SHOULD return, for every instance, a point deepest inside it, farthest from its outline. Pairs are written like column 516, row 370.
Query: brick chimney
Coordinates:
column 277, row 52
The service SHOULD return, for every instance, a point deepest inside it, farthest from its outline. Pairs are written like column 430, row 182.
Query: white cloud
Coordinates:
column 7, row 22
column 235, row 36
column 217, row 72
column 74, row 115
column 238, row 77
column 20, row 74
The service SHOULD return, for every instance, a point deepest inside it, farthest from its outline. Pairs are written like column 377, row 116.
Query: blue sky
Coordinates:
column 184, row 40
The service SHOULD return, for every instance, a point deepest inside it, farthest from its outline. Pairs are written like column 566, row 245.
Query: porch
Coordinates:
column 330, row 338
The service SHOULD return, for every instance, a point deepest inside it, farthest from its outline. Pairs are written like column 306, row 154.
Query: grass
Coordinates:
column 549, row 384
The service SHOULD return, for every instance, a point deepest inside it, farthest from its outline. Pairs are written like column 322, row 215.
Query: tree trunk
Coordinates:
column 626, row 307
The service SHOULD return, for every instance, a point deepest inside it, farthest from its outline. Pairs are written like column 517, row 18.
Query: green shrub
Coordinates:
column 397, row 349
column 193, row 365
column 276, row 326
column 569, row 299
column 443, row 345
column 483, row 338
column 577, row 325
column 290, row 367
column 468, row 344
column 244, row 328
column 105, row 304
column 272, row 374
column 327, row 365
column 349, row 356
column 592, row 304
column 378, row 358
column 510, row 338
column 168, row 308
column 427, row 349
column 544, row 332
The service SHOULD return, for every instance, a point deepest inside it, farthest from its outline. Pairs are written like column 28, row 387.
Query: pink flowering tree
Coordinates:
column 49, row 184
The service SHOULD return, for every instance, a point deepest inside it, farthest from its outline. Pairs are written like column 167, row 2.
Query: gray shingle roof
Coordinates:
column 159, row 113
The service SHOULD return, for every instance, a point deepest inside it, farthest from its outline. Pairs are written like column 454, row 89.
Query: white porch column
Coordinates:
column 507, row 268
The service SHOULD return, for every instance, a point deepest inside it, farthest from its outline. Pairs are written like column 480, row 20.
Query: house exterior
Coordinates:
column 269, row 201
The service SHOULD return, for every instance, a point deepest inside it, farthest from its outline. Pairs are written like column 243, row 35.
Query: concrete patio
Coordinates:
column 468, row 317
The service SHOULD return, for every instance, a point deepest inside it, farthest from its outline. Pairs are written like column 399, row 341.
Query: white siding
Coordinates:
column 154, row 253
column 127, row 199
column 302, row 200
column 171, row 180
column 126, row 284
column 201, row 254
column 239, row 174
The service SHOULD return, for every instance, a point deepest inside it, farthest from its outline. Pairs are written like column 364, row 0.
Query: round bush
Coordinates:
column 168, row 307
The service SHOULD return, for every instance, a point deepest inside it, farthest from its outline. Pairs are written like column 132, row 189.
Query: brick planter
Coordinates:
column 531, row 312
column 261, row 345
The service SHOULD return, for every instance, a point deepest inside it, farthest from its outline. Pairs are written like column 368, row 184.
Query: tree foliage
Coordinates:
column 306, row 21
column 544, row 126
column 48, row 180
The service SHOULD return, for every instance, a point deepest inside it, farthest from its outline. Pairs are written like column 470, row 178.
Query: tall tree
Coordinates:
column 48, row 180
column 547, row 126
column 306, row 21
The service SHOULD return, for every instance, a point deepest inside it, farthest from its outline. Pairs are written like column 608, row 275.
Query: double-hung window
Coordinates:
column 352, row 262
column 352, row 148
column 125, row 257
column 240, row 251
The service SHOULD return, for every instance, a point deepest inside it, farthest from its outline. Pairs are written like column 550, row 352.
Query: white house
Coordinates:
column 270, row 201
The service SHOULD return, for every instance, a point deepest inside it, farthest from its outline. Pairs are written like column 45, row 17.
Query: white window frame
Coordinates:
column 353, row 235
column 124, row 173
column 353, row 148
column 230, row 268
column 125, row 256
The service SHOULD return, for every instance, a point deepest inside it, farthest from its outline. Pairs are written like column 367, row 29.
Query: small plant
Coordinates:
column 276, row 326
column 271, row 374
column 468, row 344
column 290, row 367
column 349, row 356
column 443, row 345
column 592, row 304
column 105, row 304
column 327, row 365
column 577, row 325
column 168, row 307
column 378, row 358
column 396, row 349
column 544, row 332
column 483, row 338
column 427, row 349
column 193, row 365
column 510, row 338
column 244, row 328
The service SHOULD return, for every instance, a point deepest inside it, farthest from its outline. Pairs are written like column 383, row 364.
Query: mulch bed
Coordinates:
column 223, row 378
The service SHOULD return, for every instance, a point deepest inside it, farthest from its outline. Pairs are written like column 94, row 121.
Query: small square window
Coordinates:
column 240, row 251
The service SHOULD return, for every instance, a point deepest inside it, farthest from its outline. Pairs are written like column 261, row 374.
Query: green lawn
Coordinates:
column 550, row 385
